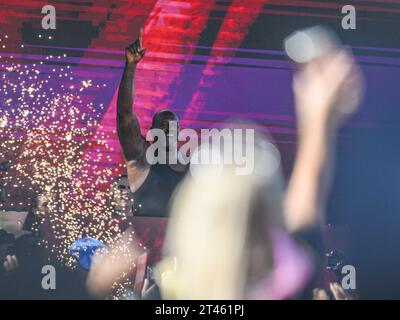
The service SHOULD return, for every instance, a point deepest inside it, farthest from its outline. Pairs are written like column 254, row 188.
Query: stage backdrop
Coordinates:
column 208, row 61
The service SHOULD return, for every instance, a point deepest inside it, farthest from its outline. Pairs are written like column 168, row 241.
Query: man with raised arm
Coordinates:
column 152, row 184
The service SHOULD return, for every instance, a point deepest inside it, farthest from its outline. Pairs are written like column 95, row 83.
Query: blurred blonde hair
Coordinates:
column 219, row 233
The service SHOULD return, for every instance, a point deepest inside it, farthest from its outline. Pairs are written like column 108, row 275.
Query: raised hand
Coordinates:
column 327, row 89
column 135, row 52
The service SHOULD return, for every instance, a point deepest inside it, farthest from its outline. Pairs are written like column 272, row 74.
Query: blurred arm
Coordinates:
column 326, row 91
column 307, row 188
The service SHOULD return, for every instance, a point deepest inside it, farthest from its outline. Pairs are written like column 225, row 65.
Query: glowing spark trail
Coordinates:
column 44, row 128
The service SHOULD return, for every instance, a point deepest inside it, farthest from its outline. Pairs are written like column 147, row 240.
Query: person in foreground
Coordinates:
column 226, row 234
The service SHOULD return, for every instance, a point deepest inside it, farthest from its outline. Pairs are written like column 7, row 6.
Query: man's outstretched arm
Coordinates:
column 132, row 142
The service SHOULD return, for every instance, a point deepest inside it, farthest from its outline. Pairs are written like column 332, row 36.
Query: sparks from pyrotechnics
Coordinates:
column 45, row 124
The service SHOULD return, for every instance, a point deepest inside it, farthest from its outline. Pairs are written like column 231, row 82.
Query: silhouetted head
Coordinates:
column 162, row 118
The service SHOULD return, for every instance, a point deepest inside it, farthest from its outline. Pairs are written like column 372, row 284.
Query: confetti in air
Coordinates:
column 45, row 126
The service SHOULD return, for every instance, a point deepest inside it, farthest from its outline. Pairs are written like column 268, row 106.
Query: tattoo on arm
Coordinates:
column 132, row 142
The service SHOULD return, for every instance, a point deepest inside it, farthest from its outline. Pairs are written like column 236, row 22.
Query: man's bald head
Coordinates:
column 162, row 118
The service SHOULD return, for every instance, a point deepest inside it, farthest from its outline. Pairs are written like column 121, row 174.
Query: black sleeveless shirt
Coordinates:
column 153, row 197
